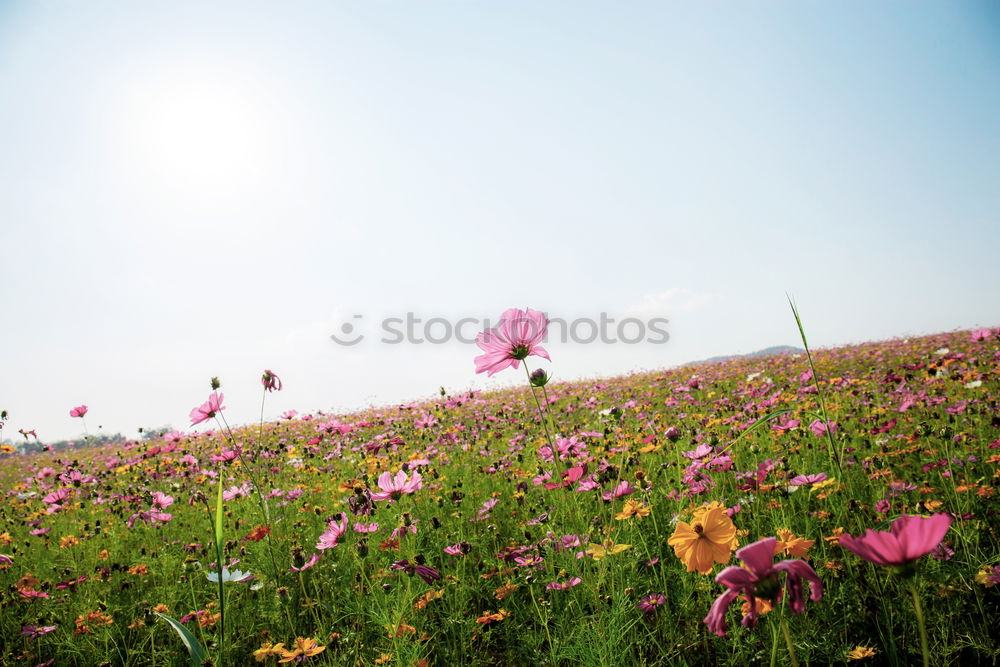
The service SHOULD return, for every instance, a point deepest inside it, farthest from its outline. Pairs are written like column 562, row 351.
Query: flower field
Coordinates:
column 776, row 510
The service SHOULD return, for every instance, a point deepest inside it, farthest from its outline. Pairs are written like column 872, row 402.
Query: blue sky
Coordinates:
column 197, row 190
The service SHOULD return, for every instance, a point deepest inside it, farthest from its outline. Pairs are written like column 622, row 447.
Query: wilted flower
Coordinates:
column 759, row 578
column 270, row 381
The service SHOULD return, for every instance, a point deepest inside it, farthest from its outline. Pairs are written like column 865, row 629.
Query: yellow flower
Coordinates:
column 791, row 545
column 301, row 646
column 860, row 653
column 633, row 508
column 709, row 538
column 607, row 548
column 266, row 650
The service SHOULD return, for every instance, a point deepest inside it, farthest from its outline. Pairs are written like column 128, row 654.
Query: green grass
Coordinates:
column 485, row 446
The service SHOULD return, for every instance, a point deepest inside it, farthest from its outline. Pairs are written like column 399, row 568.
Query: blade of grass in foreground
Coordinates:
column 834, row 454
column 218, row 567
column 194, row 648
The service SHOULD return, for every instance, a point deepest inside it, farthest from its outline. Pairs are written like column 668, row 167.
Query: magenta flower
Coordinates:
column 208, row 409
column 78, row 411
column 760, row 579
column 270, row 381
column 516, row 338
column 36, row 631
column 329, row 539
column 909, row 538
column 425, row 572
column 648, row 604
column 393, row 487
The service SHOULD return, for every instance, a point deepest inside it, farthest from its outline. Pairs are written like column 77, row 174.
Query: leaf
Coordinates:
column 194, row 648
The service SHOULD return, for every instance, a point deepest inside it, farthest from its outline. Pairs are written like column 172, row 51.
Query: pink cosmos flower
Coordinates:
column 366, row 527
column 759, row 578
column 270, row 381
column 161, row 500
column 516, row 338
column 308, row 564
column 909, row 538
column 289, row 414
column 6, row 560
column 208, row 409
column 803, row 480
column 36, row 631
column 557, row 586
column 329, row 539
column 980, row 335
column 78, row 411
column 819, row 428
column 622, row 489
column 393, row 487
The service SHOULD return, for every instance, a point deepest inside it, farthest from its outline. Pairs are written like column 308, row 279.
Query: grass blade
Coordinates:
column 190, row 642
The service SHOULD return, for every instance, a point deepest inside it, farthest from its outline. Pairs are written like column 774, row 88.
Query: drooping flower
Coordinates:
column 208, row 409
column 760, row 578
column 515, row 338
column 909, row 538
column 425, row 572
column 395, row 486
column 270, row 381
column 710, row 538
column 78, row 411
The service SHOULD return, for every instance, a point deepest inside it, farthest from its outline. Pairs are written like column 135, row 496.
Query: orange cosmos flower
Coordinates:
column 710, row 538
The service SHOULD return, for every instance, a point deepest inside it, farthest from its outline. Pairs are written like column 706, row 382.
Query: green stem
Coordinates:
column 920, row 625
column 788, row 642
column 541, row 416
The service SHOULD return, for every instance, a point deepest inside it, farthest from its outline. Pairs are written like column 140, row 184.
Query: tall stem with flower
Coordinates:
column 516, row 337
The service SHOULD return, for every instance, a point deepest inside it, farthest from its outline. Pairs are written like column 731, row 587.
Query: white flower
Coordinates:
column 942, row 351
column 973, row 384
column 227, row 576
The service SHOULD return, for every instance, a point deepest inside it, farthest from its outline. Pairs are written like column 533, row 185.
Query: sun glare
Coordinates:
column 195, row 133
